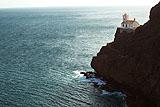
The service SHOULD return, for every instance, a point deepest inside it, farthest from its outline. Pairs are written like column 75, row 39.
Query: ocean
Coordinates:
column 43, row 51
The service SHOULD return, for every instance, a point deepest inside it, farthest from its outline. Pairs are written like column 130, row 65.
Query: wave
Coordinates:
column 78, row 73
column 119, row 94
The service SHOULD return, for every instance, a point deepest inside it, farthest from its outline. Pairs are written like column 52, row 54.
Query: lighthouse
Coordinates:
column 125, row 17
column 129, row 24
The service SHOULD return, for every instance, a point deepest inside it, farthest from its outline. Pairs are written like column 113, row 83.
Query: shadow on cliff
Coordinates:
column 131, row 63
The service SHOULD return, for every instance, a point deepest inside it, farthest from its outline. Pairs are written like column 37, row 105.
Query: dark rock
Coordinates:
column 131, row 63
column 83, row 73
column 89, row 74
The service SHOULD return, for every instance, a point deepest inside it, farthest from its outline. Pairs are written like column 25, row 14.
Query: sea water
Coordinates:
column 43, row 50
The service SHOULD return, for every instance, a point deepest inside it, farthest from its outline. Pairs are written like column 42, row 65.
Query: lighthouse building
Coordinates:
column 129, row 24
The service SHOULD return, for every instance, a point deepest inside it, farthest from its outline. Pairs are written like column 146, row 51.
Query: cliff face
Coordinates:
column 132, row 62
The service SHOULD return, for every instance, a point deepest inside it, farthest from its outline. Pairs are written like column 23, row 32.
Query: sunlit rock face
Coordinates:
column 132, row 62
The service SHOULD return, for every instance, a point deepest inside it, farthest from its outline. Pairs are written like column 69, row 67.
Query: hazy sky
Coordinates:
column 53, row 3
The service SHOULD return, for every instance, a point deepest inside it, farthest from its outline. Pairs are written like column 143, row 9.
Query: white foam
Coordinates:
column 98, row 81
column 104, row 92
column 118, row 94
column 78, row 73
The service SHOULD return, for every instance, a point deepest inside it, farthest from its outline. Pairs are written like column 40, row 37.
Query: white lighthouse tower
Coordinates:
column 125, row 17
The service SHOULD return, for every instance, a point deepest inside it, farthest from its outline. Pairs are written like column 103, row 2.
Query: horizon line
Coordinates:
column 14, row 7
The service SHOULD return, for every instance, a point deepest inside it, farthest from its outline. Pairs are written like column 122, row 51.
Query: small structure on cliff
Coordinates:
column 128, row 25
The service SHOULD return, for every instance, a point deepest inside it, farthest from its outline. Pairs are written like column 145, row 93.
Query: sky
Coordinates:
column 65, row 3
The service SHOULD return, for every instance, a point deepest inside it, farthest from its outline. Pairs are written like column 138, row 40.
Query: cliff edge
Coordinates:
column 131, row 63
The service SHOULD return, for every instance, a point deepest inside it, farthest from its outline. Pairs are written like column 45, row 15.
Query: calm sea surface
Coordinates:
column 43, row 50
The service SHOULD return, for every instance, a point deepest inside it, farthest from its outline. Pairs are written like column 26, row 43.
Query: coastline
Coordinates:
column 131, row 65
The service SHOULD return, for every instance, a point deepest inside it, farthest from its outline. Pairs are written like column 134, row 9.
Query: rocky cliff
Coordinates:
column 132, row 62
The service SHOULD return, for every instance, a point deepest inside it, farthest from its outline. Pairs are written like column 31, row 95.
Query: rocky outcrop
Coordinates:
column 132, row 63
